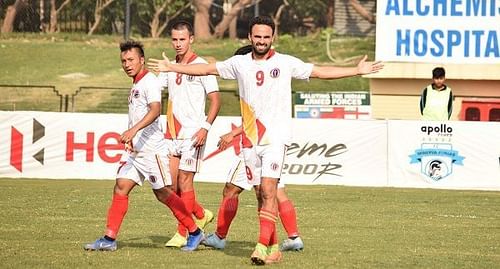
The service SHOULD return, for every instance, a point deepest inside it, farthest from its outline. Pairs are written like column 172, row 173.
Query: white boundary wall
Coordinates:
column 451, row 155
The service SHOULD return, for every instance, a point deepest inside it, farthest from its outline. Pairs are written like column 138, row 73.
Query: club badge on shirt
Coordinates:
column 275, row 73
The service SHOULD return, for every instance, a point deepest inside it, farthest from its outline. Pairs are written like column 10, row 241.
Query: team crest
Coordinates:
column 436, row 159
column 135, row 93
column 275, row 166
column 152, row 179
column 189, row 161
column 190, row 78
column 275, row 73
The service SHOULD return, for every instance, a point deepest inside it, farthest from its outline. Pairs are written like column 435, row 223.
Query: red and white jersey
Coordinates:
column 145, row 90
column 186, row 101
column 265, row 94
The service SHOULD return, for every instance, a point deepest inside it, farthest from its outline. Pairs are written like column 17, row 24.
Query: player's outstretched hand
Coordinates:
column 365, row 67
column 159, row 65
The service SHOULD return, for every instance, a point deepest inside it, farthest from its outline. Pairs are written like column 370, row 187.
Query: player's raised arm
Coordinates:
column 333, row 72
column 165, row 65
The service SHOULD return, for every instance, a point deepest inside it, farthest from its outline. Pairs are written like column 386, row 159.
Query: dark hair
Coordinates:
column 132, row 44
column 265, row 20
column 182, row 24
column 438, row 72
column 243, row 50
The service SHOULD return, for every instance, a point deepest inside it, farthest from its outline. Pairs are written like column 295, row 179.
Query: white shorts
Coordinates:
column 151, row 167
column 190, row 157
column 264, row 161
column 238, row 176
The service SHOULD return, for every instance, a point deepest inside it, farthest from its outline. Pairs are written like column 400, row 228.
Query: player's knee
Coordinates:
column 122, row 187
column 267, row 194
column 173, row 188
column 162, row 194
column 231, row 191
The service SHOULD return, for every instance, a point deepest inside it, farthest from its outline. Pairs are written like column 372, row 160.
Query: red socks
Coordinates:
column 116, row 213
column 227, row 212
column 198, row 211
column 288, row 218
column 180, row 212
column 267, row 222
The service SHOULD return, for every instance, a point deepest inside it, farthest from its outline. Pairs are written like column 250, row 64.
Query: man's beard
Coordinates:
column 258, row 53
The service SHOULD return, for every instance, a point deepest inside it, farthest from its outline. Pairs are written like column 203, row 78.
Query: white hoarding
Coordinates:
column 339, row 152
column 436, row 31
column 453, row 154
column 60, row 145
column 456, row 155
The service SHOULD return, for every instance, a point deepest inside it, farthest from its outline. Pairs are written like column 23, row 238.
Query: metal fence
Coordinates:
column 31, row 98
column 99, row 100
column 89, row 99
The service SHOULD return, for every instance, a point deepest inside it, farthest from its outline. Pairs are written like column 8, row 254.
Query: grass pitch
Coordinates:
column 44, row 224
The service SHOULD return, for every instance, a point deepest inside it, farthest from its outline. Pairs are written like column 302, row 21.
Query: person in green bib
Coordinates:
column 436, row 101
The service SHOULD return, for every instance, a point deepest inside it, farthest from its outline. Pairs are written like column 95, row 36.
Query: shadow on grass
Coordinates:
column 138, row 242
column 239, row 248
column 233, row 248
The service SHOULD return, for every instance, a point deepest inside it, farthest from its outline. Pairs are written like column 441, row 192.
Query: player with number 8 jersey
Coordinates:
column 187, row 125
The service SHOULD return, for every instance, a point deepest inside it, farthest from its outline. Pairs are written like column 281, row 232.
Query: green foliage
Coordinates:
column 144, row 11
column 45, row 223
column 327, row 32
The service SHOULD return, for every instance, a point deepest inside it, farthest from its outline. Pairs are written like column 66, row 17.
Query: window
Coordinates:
column 472, row 114
column 494, row 114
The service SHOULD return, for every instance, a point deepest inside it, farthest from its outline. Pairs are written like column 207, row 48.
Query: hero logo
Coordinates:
column 17, row 145
column 107, row 142
column 313, row 168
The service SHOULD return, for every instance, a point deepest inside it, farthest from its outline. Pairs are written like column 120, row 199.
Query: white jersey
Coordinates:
column 186, row 101
column 145, row 90
column 265, row 94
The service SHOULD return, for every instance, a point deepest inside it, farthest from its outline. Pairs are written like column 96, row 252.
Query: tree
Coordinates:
column 365, row 14
column 163, row 12
column 100, row 6
column 308, row 15
column 54, row 12
column 10, row 15
column 277, row 16
column 230, row 17
column 330, row 13
column 202, row 19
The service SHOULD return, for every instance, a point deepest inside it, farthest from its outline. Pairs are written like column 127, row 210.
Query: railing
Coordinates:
column 30, row 97
column 88, row 99
column 100, row 99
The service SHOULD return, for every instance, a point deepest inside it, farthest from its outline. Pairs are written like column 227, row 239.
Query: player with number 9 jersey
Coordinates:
column 265, row 94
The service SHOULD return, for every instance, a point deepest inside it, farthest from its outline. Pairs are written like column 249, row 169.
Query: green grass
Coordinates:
column 44, row 224
column 35, row 59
